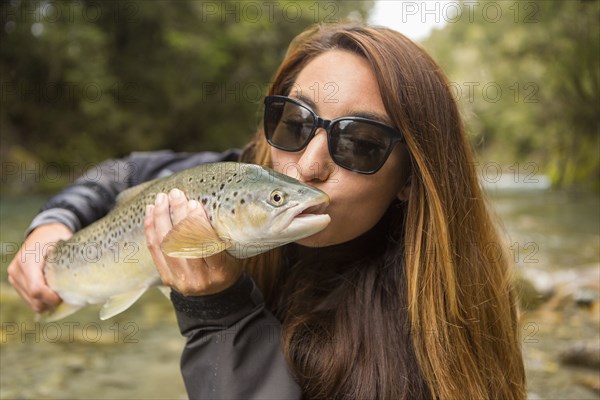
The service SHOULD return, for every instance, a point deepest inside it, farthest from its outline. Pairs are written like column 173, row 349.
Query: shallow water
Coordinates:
column 136, row 354
column 132, row 356
column 555, row 242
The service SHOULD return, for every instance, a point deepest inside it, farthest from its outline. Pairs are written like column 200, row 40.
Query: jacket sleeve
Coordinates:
column 92, row 195
column 233, row 346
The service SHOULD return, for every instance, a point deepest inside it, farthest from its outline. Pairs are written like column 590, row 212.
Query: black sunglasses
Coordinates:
column 355, row 143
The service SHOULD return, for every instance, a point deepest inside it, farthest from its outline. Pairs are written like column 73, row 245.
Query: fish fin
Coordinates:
column 130, row 193
column 59, row 312
column 120, row 302
column 165, row 290
column 192, row 238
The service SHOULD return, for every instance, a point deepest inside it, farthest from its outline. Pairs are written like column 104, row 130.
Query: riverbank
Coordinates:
column 560, row 337
column 554, row 238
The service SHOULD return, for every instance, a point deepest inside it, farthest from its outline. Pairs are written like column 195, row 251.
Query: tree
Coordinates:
column 83, row 81
column 534, row 67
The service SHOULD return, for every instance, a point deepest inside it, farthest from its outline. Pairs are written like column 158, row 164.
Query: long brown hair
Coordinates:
column 433, row 314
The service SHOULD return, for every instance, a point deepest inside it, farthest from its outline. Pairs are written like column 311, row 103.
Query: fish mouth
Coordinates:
column 306, row 219
column 311, row 210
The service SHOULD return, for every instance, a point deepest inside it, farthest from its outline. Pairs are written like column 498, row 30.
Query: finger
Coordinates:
column 15, row 279
column 195, row 209
column 149, row 225
column 35, row 282
column 153, row 244
column 173, row 271
column 14, row 271
column 35, row 304
column 193, row 205
column 29, row 282
column 39, row 291
column 178, row 203
column 162, row 217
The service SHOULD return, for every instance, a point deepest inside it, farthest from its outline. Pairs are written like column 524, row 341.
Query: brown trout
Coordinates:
column 252, row 209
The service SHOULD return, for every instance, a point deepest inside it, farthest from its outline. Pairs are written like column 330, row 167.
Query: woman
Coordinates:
column 396, row 298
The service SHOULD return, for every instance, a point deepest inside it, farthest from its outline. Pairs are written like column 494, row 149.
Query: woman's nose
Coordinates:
column 315, row 163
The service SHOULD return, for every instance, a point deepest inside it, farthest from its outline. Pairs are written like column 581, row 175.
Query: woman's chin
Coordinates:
column 327, row 237
column 320, row 239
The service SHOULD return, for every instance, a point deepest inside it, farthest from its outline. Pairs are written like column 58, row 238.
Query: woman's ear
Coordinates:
column 402, row 195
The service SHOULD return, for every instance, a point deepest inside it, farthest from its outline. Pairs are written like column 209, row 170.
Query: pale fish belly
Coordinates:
column 120, row 270
column 114, row 271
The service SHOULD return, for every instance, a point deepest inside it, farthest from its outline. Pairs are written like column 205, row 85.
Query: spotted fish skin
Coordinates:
column 252, row 209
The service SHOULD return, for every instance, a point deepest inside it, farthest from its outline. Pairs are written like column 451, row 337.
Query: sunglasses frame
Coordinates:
column 327, row 124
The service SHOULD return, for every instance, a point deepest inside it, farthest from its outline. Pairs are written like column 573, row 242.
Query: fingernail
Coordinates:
column 160, row 198
column 175, row 194
column 192, row 204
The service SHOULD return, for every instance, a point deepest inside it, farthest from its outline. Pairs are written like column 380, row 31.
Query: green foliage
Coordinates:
column 544, row 57
column 84, row 81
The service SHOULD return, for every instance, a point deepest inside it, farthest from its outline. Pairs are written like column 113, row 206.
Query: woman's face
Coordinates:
column 335, row 84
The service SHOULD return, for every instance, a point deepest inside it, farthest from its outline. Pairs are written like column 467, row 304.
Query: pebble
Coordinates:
column 586, row 297
column 590, row 382
column 582, row 354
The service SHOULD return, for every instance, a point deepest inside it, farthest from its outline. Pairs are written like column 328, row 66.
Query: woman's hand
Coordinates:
column 26, row 270
column 191, row 277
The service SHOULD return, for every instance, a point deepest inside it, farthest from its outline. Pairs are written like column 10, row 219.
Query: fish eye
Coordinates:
column 277, row 198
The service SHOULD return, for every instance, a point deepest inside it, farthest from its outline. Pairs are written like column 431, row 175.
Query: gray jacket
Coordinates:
column 233, row 341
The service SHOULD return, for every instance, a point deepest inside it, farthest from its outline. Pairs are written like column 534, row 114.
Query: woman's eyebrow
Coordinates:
column 382, row 118
column 306, row 100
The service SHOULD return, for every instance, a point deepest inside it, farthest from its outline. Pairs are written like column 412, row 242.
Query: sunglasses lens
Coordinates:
column 287, row 125
column 359, row 146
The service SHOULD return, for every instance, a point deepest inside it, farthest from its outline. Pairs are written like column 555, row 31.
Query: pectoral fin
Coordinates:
column 61, row 311
column 119, row 303
column 192, row 238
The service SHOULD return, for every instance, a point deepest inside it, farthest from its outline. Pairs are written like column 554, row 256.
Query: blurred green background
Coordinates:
column 82, row 81
column 528, row 77
column 85, row 81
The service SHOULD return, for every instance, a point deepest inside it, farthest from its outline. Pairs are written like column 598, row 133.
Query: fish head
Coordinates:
column 266, row 209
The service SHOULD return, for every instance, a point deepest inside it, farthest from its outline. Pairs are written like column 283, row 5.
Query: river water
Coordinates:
column 553, row 236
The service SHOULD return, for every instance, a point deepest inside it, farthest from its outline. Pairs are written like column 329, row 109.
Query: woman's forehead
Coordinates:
column 339, row 80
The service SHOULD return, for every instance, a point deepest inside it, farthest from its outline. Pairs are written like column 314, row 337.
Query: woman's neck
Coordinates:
column 368, row 245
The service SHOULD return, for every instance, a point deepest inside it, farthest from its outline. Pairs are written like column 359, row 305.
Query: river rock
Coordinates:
column 529, row 297
column 583, row 354
column 586, row 297
column 590, row 382
column 558, row 288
